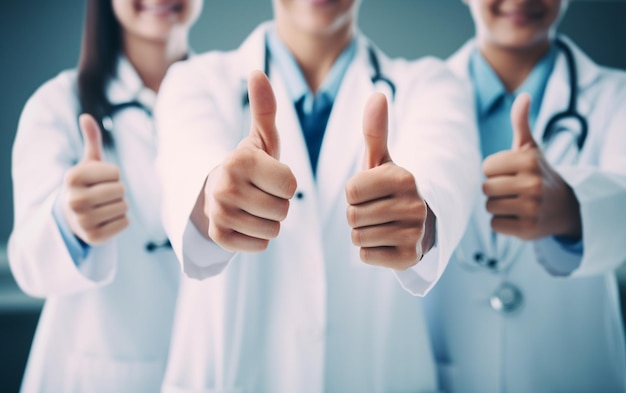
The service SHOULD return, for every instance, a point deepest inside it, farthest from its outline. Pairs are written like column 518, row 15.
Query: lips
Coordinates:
column 320, row 3
column 521, row 16
column 160, row 8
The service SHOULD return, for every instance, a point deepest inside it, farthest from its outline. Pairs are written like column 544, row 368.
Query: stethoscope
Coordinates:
column 107, row 124
column 508, row 298
column 571, row 112
column 376, row 77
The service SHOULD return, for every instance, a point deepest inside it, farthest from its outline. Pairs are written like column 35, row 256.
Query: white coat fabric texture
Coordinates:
column 105, row 326
column 307, row 315
column 568, row 334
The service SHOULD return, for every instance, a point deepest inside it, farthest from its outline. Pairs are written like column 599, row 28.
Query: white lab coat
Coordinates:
column 567, row 336
column 105, row 326
column 307, row 315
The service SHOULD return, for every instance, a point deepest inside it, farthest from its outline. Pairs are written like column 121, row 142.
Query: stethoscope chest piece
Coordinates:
column 506, row 299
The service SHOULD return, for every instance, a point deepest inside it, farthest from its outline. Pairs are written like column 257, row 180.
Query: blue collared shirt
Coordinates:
column 307, row 102
column 493, row 102
column 296, row 84
column 493, row 109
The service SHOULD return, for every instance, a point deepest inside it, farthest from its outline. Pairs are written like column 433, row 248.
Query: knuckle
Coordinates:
column 226, row 190
column 535, row 186
column 352, row 215
column 114, row 171
column 72, row 176
column 77, row 203
column 414, row 235
column 416, row 209
column 401, row 180
column 495, row 223
column 120, row 189
column 486, row 188
column 219, row 215
column 124, row 207
column 533, row 208
column 407, row 255
column 406, row 181
column 94, row 236
column 124, row 222
column 283, row 210
column 366, row 255
column 528, row 228
column 84, row 221
column 357, row 237
column 219, row 235
column 489, row 206
column 529, row 162
column 240, row 159
column 352, row 192
column 261, row 245
column 289, row 186
column 273, row 230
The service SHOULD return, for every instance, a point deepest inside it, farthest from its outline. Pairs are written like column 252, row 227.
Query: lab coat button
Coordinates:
column 479, row 257
column 299, row 195
column 492, row 263
column 506, row 299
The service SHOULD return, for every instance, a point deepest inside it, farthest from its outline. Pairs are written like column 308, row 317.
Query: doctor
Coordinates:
column 530, row 302
column 86, row 235
column 266, row 189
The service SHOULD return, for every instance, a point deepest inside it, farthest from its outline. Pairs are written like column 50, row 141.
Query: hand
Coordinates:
column 247, row 196
column 93, row 195
column 386, row 212
column 527, row 198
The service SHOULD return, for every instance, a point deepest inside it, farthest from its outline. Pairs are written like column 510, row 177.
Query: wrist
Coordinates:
column 573, row 223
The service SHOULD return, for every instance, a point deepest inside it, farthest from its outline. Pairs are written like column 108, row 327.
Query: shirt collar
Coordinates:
column 297, row 87
column 535, row 83
column 489, row 88
column 127, row 86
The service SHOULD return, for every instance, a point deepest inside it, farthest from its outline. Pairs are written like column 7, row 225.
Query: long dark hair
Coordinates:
column 102, row 42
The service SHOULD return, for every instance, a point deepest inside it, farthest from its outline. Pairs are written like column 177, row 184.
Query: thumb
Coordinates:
column 263, row 111
column 375, row 126
column 91, row 137
column 520, row 110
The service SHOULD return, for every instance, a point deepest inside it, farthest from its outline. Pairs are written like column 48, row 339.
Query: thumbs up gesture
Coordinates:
column 247, row 196
column 385, row 210
column 93, row 196
column 526, row 197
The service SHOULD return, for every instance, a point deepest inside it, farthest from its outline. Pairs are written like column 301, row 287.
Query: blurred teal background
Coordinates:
column 39, row 38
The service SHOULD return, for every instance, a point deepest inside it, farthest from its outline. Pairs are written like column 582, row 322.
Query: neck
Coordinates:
column 316, row 54
column 151, row 59
column 513, row 65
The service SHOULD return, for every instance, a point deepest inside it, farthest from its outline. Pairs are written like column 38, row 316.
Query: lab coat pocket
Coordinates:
column 95, row 374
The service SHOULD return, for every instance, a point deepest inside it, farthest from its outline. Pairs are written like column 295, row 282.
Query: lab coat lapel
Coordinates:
column 251, row 56
column 293, row 146
column 479, row 238
column 342, row 147
column 459, row 61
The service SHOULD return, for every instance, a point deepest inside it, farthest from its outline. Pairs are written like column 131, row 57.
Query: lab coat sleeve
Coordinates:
column 438, row 142
column 193, row 138
column 601, row 193
column 47, row 144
